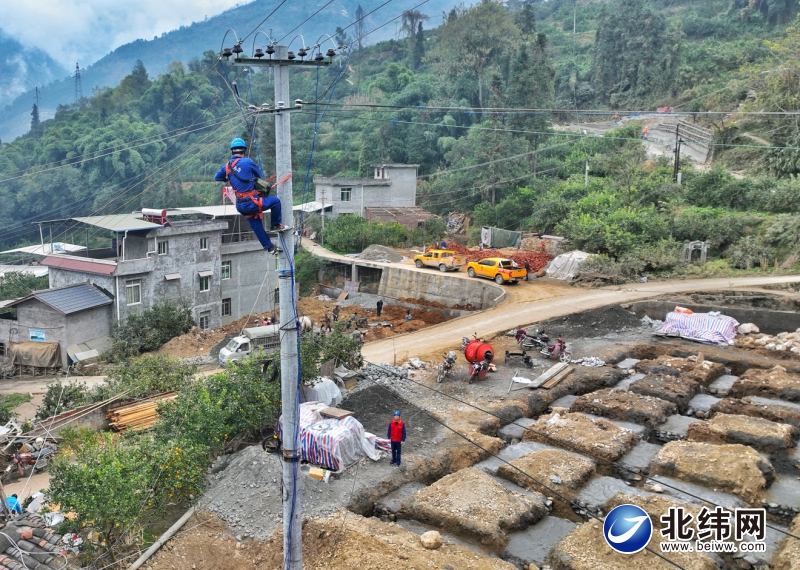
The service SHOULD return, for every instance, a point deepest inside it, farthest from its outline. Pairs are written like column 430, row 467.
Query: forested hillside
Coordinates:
column 478, row 103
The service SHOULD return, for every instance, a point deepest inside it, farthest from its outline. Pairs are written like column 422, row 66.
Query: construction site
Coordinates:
column 517, row 468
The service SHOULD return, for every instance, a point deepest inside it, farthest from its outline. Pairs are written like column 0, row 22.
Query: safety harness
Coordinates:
column 250, row 194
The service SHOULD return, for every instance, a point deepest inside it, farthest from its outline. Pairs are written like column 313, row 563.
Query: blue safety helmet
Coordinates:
column 397, row 412
column 238, row 143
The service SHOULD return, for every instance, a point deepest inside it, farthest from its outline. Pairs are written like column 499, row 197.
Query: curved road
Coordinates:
column 520, row 309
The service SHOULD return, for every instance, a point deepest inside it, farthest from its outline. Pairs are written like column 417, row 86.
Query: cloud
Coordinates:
column 83, row 31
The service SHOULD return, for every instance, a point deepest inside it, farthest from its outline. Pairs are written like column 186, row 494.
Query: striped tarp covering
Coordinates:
column 701, row 327
column 331, row 443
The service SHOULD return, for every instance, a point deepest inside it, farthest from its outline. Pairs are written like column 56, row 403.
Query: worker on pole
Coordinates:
column 242, row 173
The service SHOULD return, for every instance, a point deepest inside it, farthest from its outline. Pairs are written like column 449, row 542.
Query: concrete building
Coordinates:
column 67, row 316
column 391, row 186
column 205, row 256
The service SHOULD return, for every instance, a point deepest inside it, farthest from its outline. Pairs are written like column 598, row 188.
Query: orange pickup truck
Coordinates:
column 444, row 259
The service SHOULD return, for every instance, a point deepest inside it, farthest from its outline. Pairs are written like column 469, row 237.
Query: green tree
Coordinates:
column 474, row 42
column 634, row 57
column 530, row 86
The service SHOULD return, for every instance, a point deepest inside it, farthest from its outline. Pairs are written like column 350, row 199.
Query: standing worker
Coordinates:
column 241, row 173
column 336, row 313
column 396, row 435
column 527, row 270
column 379, row 306
column 644, row 133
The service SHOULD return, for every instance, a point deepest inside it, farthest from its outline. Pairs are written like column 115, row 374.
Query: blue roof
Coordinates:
column 72, row 299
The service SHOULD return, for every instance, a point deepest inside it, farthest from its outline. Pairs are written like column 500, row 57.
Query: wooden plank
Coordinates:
column 335, row 413
column 342, row 296
column 549, row 373
column 558, row 377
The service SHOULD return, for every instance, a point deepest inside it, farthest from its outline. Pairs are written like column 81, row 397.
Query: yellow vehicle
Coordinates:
column 444, row 259
column 497, row 268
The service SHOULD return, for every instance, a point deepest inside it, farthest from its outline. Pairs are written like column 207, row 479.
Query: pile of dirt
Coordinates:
column 734, row 469
column 772, row 383
column 469, row 502
column 626, row 406
column 577, row 431
column 586, row 549
column 340, row 543
column 592, row 324
column 703, row 372
column 198, row 342
column 377, row 252
column 764, row 435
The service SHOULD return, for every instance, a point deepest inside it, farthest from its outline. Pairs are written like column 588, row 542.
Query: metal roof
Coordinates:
column 70, row 299
column 311, row 207
column 30, row 269
column 118, row 222
column 47, row 248
column 100, row 345
column 83, row 264
column 213, row 211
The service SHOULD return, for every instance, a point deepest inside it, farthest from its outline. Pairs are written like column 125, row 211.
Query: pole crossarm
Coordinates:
column 240, row 61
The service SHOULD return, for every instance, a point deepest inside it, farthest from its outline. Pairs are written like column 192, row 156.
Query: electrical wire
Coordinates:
column 262, row 21
column 297, row 27
column 561, row 443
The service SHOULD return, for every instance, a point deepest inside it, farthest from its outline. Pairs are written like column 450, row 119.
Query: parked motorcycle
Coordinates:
column 479, row 368
column 447, row 367
column 23, row 463
column 538, row 340
column 557, row 350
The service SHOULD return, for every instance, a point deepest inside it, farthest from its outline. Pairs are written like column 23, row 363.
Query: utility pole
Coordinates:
column 290, row 371
column 322, row 235
column 677, row 165
column 586, row 173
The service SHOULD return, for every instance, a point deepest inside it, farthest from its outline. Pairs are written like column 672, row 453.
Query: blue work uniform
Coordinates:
column 14, row 506
column 248, row 202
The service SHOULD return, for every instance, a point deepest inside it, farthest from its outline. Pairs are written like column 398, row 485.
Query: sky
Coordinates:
column 83, row 31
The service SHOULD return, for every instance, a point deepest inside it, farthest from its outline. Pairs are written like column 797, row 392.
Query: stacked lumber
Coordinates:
column 139, row 415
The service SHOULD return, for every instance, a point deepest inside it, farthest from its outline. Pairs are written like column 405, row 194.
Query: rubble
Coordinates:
column 758, row 433
column 377, row 252
column 626, row 406
column 431, row 540
column 598, row 438
column 469, row 502
column 789, row 551
column 772, row 383
column 592, row 361
column 781, row 342
column 734, row 468
column 676, row 390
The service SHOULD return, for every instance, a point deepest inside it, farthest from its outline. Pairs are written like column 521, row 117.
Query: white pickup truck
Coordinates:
column 262, row 339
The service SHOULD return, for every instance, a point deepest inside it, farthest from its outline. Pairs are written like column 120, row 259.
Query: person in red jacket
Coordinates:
column 397, row 435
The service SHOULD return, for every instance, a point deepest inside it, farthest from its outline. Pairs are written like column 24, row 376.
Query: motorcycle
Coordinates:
column 448, row 366
column 24, row 463
column 538, row 340
column 557, row 350
column 479, row 354
column 478, row 369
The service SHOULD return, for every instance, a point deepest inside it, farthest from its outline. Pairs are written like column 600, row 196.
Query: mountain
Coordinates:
column 21, row 70
column 191, row 41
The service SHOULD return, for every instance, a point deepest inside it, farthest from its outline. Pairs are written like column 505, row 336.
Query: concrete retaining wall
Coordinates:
column 770, row 322
column 439, row 287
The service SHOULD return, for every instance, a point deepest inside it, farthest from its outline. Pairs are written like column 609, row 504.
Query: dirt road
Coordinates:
column 519, row 309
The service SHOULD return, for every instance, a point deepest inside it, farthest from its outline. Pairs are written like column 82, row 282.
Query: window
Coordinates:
column 226, row 269
column 204, row 243
column 163, row 247
column 226, row 307
column 205, row 318
column 133, row 291
column 205, row 283
column 346, row 194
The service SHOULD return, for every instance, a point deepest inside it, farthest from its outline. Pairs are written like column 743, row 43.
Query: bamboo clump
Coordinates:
column 139, row 415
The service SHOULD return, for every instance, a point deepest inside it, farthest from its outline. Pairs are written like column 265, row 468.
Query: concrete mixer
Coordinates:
column 479, row 354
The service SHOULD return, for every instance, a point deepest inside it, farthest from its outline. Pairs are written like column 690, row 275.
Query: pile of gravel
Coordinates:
column 244, row 489
column 380, row 253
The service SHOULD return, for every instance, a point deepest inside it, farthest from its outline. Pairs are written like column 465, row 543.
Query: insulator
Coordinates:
column 259, row 53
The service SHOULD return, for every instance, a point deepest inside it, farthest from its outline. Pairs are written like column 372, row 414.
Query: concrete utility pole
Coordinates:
column 292, row 479
column 676, row 167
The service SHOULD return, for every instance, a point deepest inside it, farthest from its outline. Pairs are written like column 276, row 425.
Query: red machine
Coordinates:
column 479, row 354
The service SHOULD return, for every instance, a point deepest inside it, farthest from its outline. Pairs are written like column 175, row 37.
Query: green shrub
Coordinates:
column 749, row 252
column 61, row 396
column 148, row 330
column 10, row 401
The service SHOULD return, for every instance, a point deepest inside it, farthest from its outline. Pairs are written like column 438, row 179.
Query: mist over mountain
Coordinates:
column 191, row 41
column 23, row 68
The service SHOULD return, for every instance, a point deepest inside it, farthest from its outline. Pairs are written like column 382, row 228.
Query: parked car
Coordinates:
column 444, row 259
column 500, row 269
column 264, row 339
